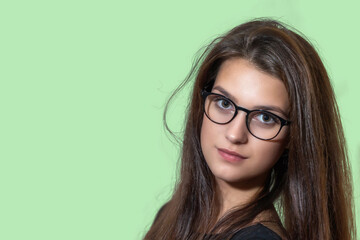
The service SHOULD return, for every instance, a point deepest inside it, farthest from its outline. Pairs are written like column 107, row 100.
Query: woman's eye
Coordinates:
column 265, row 118
column 223, row 103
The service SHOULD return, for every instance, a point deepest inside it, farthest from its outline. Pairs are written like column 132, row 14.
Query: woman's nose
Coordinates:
column 237, row 131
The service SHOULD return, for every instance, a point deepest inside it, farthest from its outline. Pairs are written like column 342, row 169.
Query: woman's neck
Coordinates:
column 236, row 195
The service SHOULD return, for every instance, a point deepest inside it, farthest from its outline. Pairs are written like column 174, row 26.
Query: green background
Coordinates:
column 83, row 86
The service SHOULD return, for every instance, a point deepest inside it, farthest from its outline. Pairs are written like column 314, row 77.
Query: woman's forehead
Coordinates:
column 248, row 86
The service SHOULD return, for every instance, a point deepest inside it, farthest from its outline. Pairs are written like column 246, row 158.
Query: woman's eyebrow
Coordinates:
column 271, row 108
column 224, row 92
column 258, row 107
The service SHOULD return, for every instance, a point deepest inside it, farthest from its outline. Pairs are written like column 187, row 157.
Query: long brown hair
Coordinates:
column 311, row 182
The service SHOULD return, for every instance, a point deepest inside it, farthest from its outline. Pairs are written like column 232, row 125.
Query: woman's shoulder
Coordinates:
column 256, row 232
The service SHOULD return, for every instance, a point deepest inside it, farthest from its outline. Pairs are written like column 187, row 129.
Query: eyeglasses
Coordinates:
column 261, row 124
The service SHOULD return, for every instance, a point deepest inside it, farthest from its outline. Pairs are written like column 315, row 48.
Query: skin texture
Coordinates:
column 249, row 88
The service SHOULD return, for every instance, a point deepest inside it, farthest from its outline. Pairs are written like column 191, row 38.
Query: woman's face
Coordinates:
column 231, row 152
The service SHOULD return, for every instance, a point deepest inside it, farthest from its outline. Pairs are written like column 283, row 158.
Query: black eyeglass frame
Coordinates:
column 283, row 122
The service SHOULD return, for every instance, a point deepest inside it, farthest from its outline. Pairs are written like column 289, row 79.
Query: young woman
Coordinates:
column 263, row 154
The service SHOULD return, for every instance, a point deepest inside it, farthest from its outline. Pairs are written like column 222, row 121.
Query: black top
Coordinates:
column 256, row 232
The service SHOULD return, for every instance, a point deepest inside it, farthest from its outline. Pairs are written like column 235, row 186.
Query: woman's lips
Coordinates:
column 230, row 156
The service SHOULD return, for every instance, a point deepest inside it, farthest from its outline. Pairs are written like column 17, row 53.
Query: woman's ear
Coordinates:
column 287, row 146
column 286, row 152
